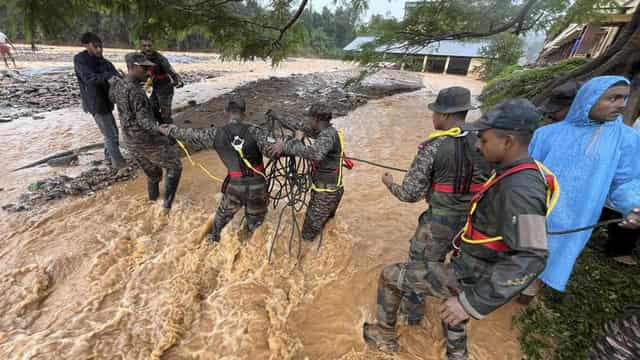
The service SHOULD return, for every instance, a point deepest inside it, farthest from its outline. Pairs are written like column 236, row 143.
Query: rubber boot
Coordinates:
column 383, row 338
column 153, row 189
column 171, row 186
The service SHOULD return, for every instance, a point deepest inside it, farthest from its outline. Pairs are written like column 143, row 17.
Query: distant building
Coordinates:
column 588, row 40
column 445, row 57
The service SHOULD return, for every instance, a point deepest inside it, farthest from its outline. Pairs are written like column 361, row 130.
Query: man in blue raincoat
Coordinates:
column 594, row 157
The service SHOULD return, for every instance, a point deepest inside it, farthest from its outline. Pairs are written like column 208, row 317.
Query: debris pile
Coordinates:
column 61, row 186
column 23, row 95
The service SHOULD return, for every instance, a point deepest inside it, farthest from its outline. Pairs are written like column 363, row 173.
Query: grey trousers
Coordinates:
column 107, row 125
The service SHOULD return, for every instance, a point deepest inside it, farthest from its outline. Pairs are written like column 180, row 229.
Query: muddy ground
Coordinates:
column 288, row 97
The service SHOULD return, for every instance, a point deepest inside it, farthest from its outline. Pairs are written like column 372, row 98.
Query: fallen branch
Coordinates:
column 58, row 155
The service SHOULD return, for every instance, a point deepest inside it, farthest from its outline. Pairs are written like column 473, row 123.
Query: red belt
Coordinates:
column 238, row 174
column 160, row 76
column 448, row 188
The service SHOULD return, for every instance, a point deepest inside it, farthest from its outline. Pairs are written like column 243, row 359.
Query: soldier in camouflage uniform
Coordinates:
column 621, row 339
column 241, row 147
column 446, row 171
column 150, row 149
column 163, row 78
column 503, row 246
column 327, row 154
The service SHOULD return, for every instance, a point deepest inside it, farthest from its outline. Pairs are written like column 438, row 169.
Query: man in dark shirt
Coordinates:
column 93, row 72
column 557, row 105
column 502, row 247
column 163, row 79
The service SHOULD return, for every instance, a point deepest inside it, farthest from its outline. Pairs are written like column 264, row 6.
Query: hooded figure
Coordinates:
column 595, row 162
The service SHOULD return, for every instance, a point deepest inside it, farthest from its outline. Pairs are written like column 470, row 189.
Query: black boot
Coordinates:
column 153, row 189
column 171, row 186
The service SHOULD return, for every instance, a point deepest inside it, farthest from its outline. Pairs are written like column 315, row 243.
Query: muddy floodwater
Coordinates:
column 108, row 277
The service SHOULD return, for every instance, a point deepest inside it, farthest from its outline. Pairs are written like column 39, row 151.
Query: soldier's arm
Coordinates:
column 142, row 108
column 202, row 138
column 316, row 151
column 263, row 139
column 523, row 228
column 417, row 181
column 169, row 70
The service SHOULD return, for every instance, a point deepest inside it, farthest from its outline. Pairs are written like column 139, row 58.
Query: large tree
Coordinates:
column 439, row 20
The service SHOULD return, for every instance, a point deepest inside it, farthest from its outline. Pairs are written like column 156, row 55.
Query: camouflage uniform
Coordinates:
column 621, row 339
column 325, row 154
column 164, row 79
column 442, row 160
column 151, row 150
column 486, row 278
column 247, row 189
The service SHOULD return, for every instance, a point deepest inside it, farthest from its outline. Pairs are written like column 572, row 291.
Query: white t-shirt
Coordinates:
column 637, row 124
column 3, row 38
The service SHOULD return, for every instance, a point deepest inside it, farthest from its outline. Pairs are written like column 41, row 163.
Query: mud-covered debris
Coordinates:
column 48, row 91
column 61, row 186
column 69, row 160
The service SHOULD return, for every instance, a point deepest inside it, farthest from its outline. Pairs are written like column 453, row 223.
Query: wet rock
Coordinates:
column 69, row 160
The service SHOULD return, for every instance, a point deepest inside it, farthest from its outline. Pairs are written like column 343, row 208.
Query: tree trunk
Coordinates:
column 622, row 58
column 632, row 110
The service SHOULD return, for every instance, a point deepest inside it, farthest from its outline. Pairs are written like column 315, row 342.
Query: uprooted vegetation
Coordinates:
column 516, row 82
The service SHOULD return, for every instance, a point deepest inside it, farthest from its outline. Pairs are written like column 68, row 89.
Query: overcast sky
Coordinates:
column 393, row 8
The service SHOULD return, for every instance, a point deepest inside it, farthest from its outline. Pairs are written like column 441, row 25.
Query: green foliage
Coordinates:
column 523, row 83
column 565, row 325
column 504, row 50
column 235, row 28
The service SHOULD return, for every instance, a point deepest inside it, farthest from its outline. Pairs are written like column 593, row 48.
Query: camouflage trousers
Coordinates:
column 250, row 194
column 621, row 339
column 322, row 207
column 425, row 279
column 153, row 158
column 431, row 242
column 161, row 102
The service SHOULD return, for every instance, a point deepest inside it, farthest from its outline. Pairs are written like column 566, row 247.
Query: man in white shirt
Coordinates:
column 5, row 50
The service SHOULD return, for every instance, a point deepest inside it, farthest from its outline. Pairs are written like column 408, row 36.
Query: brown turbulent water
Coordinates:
column 108, row 277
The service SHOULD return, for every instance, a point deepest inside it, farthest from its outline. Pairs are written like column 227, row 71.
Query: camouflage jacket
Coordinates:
column 139, row 127
column 435, row 163
column 324, row 151
column 514, row 208
column 162, row 67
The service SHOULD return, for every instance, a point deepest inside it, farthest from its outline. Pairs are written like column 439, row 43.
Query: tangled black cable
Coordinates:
column 288, row 183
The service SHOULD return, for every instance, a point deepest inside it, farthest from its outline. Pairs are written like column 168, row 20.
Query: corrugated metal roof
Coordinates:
column 441, row 48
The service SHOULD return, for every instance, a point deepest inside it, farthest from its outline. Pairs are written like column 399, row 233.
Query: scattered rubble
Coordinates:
column 288, row 97
column 58, row 187
column 23, row 95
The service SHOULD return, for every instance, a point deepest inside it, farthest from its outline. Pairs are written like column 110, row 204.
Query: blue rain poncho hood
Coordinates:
column 595, row 163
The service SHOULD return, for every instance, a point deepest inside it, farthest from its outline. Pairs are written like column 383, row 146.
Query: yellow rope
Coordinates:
column 147, row 84
column 195, row 163
column 248, row 164
column 339, row 185
column 455, row 131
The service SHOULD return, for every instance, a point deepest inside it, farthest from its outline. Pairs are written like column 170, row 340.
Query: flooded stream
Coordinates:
column 109, row 277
